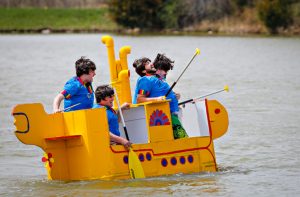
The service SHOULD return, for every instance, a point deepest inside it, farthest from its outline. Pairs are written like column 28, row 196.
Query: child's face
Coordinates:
column 149, row 67
column 108, row 101
column 89, row 77
column 162, row 73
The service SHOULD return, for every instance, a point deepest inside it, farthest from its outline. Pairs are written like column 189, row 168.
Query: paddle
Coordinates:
column 135, row 166
column 121, row 114
column 171, row 88
column 226, row 89
column 70, row 107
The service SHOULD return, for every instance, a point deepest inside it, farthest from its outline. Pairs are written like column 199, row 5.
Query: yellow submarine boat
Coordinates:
column 77, row 145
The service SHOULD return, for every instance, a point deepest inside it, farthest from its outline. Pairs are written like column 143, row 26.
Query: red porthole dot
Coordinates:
column 217, row 111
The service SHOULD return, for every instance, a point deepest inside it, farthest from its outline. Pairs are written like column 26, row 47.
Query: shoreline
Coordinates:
column 76, row 21
column 133, row 32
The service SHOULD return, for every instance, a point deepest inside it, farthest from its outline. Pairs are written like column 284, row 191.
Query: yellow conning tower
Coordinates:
column 119, row 73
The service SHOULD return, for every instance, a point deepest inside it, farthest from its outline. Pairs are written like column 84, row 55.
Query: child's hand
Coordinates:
column 125, row 106
column 126, row 144
column 177, row 95
column 56, row 111
column 160, row 98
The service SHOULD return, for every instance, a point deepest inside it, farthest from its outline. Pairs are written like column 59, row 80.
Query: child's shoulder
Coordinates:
column 96, row 105
column 146, row 80
column 149, row 78
column 73, row 81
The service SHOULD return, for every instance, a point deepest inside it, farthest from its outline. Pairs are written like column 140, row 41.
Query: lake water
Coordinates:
column 259, row 155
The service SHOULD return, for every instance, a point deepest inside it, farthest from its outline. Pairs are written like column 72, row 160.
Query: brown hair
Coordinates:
column 102, row 92
column 139, row 65
column 162, row 62
column 83, row 66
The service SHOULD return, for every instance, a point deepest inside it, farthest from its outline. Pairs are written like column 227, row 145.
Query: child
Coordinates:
column 78, row 90
column 153, row 88
column 143, row 67
column 105, row 98
column 163, row 64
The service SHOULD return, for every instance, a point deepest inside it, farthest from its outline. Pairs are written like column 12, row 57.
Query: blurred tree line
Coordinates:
column 177, row 14
column 159, row 14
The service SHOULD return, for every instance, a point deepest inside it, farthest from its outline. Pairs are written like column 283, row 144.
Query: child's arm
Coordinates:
column 56, row 102
column 119, row 140
column 142, row 98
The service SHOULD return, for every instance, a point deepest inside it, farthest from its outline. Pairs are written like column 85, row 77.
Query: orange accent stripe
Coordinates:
column 160, row 154
column 63, row 137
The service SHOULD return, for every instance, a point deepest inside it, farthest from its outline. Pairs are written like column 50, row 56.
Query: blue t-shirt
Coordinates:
column 75, row 91
column 136, row 91
column 151, row 86
column 112, row 118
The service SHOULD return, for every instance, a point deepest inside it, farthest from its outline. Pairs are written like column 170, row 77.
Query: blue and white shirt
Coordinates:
column 151, row 86
column 75, row 91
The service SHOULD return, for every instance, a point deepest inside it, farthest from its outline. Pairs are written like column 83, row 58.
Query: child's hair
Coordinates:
column 102, row 92
column 139, row 65
column 162, row 62
column 83, row 66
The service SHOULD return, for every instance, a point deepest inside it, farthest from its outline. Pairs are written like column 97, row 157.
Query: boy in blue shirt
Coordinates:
column 78, row 91
column 143, row 67
column 163, row 64
column 105, row 98
column 154, row 87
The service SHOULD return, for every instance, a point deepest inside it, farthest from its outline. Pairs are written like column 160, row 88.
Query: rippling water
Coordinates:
column 258, row 156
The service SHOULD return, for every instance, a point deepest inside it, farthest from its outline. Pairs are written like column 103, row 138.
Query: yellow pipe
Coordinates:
column 124, row 75
column 109, row 42
column 124, row 86
column 119, row 73
column 124, row 51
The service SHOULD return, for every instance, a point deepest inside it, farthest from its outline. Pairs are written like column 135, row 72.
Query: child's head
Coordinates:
column 162, row 65
column 162, row 62
column 105, row 95
column 84, row 66
column 143, row 66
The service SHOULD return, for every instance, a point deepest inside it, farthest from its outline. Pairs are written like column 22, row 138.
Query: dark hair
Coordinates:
column 162, row 62
column 139, row 65
column 102, row 92
column 83, row 66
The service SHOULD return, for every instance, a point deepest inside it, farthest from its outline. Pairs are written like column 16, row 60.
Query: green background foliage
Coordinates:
column 144, row 14
column 275, row 13
column 55, row 19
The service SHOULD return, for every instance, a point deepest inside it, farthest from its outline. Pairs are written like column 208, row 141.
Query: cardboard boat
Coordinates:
column 77, row 145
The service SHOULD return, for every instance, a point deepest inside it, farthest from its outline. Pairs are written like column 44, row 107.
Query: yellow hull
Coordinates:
column 77, row 145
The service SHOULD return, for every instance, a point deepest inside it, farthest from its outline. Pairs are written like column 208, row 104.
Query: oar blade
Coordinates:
column 135, row 166
column 226, row 88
